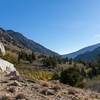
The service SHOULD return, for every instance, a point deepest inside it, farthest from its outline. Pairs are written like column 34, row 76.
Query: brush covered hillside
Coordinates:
column 82, row 51
column 18, row 41
column 56, row 79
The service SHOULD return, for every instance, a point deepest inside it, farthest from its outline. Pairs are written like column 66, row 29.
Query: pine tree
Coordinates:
column 19, row 57
column 33, row 56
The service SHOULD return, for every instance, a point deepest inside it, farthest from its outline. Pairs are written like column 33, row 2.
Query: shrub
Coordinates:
column 21, row 96
column 6, row 98
column 50, row 62
column 72, row 76
column 56, row 76
column 12, row 90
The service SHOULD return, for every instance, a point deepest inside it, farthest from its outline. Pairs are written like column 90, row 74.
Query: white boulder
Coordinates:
column 2, row 48
column 6, row 66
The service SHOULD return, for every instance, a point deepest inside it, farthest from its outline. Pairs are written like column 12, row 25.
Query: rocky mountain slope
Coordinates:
column 9, row 37
column 13, row 87
column 82, row 51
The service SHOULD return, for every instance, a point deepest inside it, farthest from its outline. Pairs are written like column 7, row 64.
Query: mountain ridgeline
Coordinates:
column 19, row 41
column 88, row 53
column 10, row 37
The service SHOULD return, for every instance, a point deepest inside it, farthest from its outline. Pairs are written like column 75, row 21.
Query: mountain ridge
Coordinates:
column 89, row 56
column 82, row 51
column 18, row 39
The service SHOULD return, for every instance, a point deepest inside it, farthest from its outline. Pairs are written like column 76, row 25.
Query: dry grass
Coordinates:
column 36, row 74
column 12, row 54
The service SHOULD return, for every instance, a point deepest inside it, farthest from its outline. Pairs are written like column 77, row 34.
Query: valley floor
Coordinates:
column 18, row 88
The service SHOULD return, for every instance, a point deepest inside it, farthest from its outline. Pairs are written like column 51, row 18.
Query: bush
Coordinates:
column 56, row 76
column 6, row 98
column 72, row 76
column 50, row 62
column 21, row 96
column 12, row 90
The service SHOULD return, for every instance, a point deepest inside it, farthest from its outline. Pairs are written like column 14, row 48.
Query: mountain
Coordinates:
column 13, row 38
column 92, row 55
column 82, row 51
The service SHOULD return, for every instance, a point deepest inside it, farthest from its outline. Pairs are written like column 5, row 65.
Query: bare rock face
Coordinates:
column 2, row 48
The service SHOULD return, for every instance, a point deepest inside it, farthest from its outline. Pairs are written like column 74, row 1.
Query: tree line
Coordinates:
column 27, row 57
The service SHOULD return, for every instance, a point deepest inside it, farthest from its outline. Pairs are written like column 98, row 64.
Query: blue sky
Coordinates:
column 63, row 26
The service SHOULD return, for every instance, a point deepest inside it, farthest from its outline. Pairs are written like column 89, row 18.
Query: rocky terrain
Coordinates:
column 13, row 87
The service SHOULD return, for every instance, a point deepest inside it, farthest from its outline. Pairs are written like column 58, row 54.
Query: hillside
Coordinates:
column 17, row 40
column 89, row 55
column 14, row 88
column 82, row 51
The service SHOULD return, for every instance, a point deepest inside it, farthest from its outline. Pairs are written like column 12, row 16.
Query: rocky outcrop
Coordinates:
column 5, row 66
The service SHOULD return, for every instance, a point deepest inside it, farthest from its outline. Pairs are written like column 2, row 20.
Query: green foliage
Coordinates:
column 56, row 76
column 72, row 77
column 50, row 62
column 83, row 73
column 70, row 61
column 27, row 57
column 89, row 72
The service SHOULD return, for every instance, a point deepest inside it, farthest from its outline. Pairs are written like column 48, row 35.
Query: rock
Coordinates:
column 51, row 92
column 15, row 83
column 2, row 48
column 71, row 92
column 6, row 66
column 14, row 73
column 30, row 81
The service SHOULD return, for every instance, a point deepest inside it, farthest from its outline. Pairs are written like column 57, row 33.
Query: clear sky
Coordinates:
column 60, row 25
